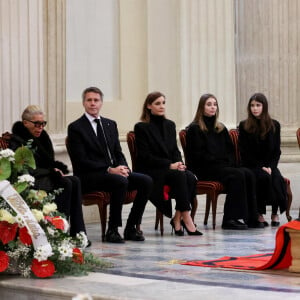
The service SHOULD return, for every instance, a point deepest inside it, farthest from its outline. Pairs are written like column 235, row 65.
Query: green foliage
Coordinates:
column 24, row 159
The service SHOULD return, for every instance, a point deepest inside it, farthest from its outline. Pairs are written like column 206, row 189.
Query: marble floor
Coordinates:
column 152, row 269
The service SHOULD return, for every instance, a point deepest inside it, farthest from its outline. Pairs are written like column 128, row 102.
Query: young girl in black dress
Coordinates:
column 259, row 142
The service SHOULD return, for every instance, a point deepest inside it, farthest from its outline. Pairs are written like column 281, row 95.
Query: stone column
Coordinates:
column 268, row 61
column 21, row 59
column 55, row 62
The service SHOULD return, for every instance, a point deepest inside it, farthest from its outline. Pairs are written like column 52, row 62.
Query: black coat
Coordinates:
column 86, row 152
column 154, row 156
column 257, row 152
column 207, row 152
column 43, row 154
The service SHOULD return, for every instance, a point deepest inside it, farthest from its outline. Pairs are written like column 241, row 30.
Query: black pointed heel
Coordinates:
column 190, row 232
column 177, row 232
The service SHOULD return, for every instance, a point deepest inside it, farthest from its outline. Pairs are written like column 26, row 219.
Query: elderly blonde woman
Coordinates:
column 49, row 173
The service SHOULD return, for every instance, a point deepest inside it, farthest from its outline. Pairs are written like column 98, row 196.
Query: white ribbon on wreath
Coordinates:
column 18, row 204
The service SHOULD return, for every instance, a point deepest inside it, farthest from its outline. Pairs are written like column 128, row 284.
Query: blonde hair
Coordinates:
column 30, row 111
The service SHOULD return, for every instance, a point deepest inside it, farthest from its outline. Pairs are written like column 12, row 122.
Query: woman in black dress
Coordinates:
column 259, row 142
column 49, row 173
column 210, row 155
column 159, row 157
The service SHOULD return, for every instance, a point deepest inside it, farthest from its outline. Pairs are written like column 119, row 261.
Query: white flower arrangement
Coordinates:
column 22, row 249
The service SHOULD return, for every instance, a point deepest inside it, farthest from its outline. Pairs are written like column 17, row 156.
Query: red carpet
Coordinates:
column 280, row 259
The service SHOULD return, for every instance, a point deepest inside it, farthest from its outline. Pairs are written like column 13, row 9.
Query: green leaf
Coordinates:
column 24, row 158
column 20, row 186
column 5, row 169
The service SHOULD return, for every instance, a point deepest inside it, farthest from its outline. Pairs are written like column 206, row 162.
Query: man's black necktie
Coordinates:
column 102, row 138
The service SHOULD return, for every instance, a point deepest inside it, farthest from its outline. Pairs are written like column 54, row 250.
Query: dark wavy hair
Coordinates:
column 145, row 116
column 265, row 123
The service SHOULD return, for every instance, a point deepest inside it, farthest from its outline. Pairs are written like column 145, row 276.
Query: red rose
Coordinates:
column 77, row 256
column 57, row 222
column 25, row 237
column 4, row 261
column 43, row 268
column 7, row 231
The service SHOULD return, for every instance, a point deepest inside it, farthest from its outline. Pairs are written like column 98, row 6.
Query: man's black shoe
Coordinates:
column 113, row 236
column 131, row 234
column 234, row 225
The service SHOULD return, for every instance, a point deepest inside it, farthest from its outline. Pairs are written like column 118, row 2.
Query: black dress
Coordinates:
column 210, row 155
column 156, row 149
column 257, row 153
column 46, row 178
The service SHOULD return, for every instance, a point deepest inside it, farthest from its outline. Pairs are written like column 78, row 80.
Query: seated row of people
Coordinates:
column 100, row 165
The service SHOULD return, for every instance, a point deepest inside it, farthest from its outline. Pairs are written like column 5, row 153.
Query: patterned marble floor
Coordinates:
column 159, row 257
column 151, row 270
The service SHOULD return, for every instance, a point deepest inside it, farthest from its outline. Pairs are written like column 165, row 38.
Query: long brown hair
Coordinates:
column 265, row 124
column 145, row 117
column 198, row 119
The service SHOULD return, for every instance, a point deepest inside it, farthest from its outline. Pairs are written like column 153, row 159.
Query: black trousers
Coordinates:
column 270, row 190
column 69, row 202
column 118, row 185
column 183, row 188
column 240, row 186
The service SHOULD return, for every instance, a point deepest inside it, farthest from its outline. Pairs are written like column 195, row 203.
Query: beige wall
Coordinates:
column 182, row 47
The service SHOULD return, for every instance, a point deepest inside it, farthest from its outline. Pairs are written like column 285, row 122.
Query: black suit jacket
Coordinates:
column 86, row 152
column 154, row 156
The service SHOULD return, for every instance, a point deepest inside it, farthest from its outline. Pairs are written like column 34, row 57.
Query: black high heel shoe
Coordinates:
column 275, row 220
column 190, row 232
column 177, row 232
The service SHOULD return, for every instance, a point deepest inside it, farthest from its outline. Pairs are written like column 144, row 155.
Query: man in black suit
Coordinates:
column 99, row 162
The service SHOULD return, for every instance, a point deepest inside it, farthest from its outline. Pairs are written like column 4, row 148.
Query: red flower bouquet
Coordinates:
column 4, row 261
column 24, row 236
column 7, row 232
column 42, row 269
column 34, row 238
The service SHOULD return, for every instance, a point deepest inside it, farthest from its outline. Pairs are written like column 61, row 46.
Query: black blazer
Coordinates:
column 86, row 152
column 154, row 156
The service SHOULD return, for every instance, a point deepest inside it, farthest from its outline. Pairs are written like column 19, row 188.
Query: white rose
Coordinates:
column 49, row 207
column 6, row 216
column 38, row 214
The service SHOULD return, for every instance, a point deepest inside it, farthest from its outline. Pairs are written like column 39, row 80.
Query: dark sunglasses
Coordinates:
column 38, row 124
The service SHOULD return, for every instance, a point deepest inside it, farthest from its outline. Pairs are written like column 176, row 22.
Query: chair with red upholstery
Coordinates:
column 212, row 189
column 234, row 134
column 4, row 140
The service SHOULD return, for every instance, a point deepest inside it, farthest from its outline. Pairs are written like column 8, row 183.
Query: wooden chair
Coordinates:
column 298, row 136
column 212, row 189
column 102, row 200
column 234, row 134
column 4, row 140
